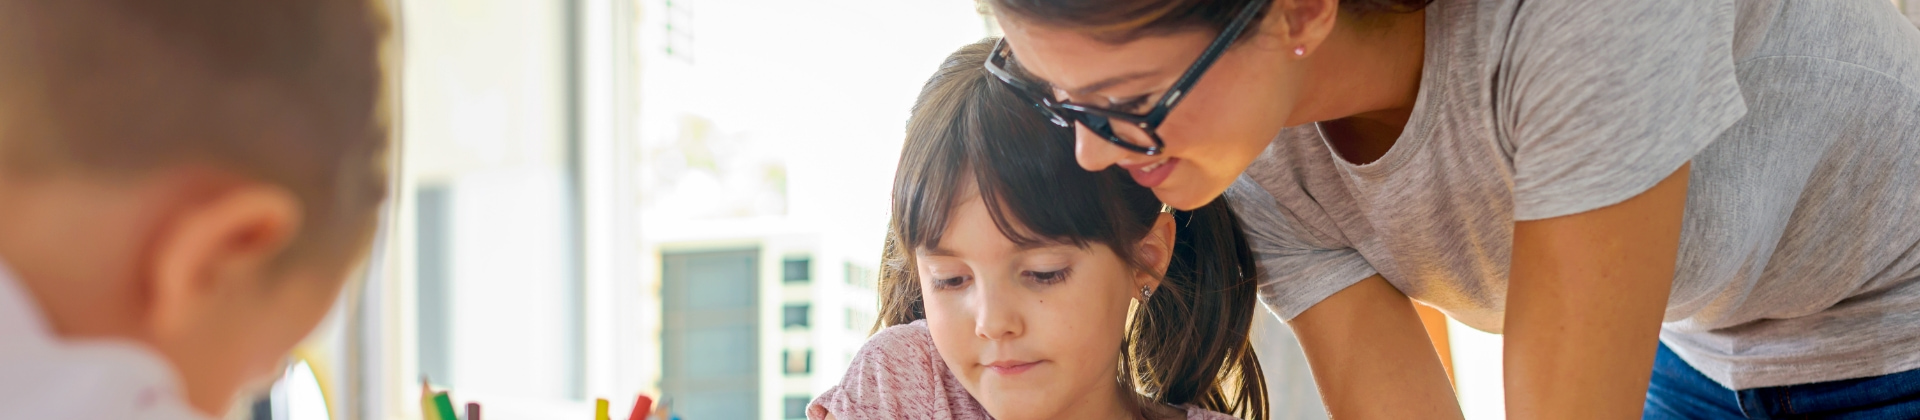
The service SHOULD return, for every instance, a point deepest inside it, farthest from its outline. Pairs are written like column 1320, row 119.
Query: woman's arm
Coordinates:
column 1584, row 305
column 1371, row 357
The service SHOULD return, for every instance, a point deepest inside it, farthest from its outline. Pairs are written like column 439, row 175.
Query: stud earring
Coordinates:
column 1146, row 292
column 1300, row 51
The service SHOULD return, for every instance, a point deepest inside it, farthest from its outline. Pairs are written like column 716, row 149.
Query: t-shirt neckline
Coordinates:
column 1432, row 67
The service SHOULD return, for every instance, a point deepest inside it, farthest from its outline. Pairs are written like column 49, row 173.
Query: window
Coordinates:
column 431, row 255
column 859, row 275
column 795, row 316
column 490, row 163
column 709, row 348
column 858, row 320
column 679, row 36
column 797, row 406
column 566, row 178
column 796, row 270
column 797, row 361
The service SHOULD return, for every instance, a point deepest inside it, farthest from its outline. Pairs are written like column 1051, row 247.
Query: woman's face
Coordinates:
column 1224, row 121
column 1031, row 332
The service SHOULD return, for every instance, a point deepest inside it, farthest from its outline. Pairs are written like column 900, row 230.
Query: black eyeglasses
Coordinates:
column 1100, row 121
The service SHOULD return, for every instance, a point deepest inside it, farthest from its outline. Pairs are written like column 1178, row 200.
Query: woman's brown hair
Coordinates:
column 1187, row 344
column 1124, row 20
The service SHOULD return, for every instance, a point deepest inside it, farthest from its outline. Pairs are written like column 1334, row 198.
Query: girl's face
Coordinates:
column 1224, row 121
column 1031, row 332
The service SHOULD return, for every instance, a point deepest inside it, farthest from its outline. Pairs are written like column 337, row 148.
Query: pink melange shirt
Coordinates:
column 899, row 375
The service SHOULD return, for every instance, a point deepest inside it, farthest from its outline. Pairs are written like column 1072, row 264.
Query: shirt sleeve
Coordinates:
column 1296, row 272
column 1600, row 100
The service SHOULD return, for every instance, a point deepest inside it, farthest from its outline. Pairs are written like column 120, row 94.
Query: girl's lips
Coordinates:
column 1150, row 175
column 1011, row 368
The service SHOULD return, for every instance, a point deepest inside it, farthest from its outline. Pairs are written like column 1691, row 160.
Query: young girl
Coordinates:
column 1017, row 285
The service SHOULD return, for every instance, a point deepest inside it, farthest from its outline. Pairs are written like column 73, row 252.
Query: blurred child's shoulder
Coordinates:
column 43, row 376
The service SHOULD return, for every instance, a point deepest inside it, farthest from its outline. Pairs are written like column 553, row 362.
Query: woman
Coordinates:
column 1715, row 197
column 1019, row 287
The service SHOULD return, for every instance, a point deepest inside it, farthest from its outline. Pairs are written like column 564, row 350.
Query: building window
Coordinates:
column 679, row 30
column 797, row 406
column 795, row 316
column 709, row 340
column 858, row 320
column 796, row 362
column 858, row 275
column 797, row 270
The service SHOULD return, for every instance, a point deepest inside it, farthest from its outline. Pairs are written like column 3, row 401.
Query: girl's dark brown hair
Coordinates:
column 1188, row 344
column 1130, row 19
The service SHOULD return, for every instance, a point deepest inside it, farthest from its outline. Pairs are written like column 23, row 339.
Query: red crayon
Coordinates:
column 641, row 406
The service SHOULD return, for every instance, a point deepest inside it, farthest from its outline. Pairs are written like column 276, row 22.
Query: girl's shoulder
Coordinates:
column 897, row 374
column 912, row 340
column 1197, row 413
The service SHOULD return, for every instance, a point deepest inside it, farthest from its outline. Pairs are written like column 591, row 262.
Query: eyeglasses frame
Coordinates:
column 1097, row 119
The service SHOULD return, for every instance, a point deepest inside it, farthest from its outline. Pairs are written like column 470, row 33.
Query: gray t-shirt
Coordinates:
column 1801, row 244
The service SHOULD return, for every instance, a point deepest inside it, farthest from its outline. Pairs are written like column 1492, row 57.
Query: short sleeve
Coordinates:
column 1295, row 273
column 1600, row 100
column 897, row 374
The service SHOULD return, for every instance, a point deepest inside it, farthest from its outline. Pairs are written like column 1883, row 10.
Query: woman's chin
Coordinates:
column 1187, row 193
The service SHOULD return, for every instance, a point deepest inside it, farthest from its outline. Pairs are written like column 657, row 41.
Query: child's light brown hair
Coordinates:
column 1188, row 344
column 281, row 91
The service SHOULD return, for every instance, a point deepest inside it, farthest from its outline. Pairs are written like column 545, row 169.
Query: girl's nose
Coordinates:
column 997, row 317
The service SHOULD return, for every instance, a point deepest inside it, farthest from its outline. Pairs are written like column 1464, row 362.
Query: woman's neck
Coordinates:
column 1364, row 82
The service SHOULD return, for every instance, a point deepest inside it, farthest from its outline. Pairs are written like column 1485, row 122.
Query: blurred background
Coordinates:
column 678, row 198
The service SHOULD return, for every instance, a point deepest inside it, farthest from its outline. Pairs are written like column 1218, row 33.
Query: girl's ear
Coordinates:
column 1156, row 251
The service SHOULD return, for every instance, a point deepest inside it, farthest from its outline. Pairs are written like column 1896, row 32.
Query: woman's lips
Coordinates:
column 1008, row 368
column 1151, row 174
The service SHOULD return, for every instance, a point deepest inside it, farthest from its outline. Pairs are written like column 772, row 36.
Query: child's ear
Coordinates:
column 1156, row 249
column 215, row 248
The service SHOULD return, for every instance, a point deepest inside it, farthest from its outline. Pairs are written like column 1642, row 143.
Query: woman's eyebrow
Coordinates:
column 1110, row 82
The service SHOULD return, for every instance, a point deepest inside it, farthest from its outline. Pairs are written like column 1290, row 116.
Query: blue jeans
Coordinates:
column 1680, row 392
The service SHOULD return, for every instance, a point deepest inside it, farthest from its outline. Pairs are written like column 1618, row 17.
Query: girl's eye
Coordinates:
column 1049, row 277
column 950, row 283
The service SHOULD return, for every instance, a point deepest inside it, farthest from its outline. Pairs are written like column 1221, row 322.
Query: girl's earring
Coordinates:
column 1300, row 51
column 1146, row 292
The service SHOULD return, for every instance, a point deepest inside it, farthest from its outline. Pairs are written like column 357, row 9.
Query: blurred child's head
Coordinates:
column 1034, row 275
column 196, row 175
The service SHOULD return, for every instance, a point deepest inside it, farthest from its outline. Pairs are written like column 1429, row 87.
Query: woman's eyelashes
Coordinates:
column 1127, row 104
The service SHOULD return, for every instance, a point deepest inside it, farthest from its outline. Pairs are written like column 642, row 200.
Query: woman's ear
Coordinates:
column 1302, row 24
column 1156, row 250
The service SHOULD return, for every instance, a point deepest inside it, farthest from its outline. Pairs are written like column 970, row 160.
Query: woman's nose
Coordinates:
column 997, row 316
column 1094, row 152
